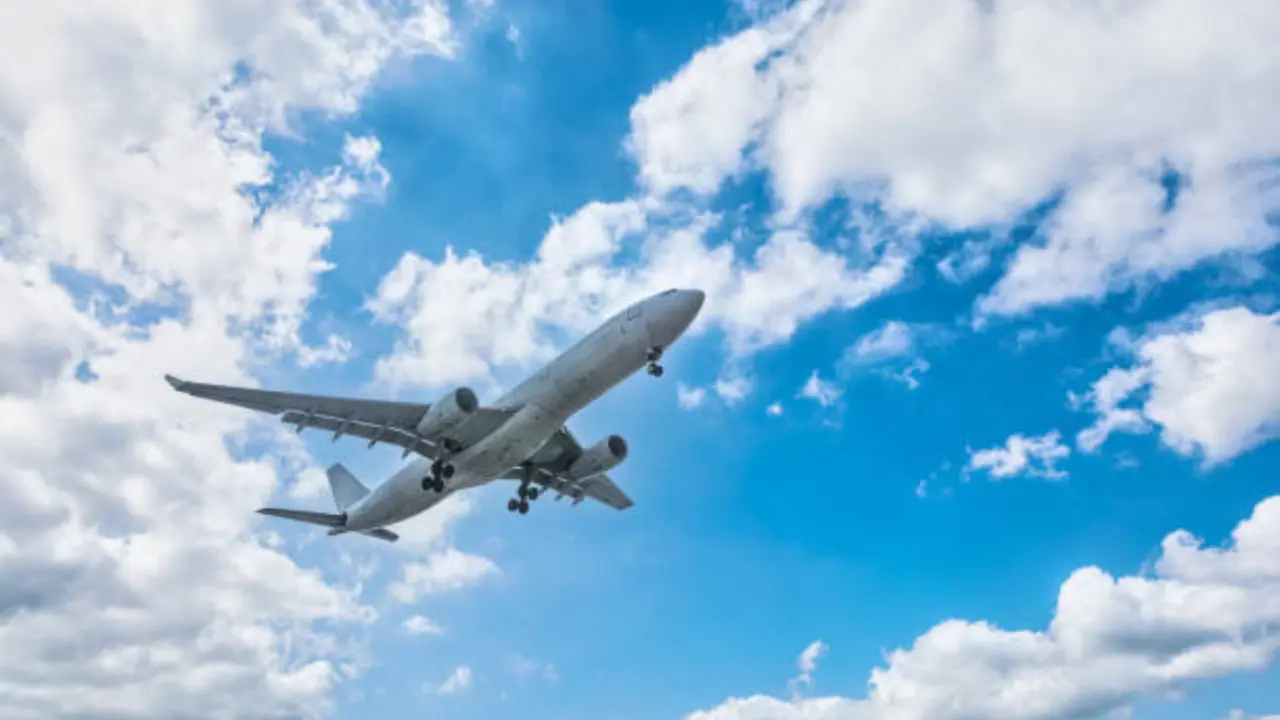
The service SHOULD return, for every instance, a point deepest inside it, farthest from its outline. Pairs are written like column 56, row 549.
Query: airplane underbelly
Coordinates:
column 511, row 444
column 594, row 376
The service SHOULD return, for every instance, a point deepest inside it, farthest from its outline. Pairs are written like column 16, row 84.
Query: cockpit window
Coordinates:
column 667, row 292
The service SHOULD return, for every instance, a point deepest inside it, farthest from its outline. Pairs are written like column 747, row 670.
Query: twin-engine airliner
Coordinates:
column 462, row 444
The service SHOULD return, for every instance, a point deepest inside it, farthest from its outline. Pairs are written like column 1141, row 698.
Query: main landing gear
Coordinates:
column 441, row 470
column 524, row 495
column 653, row 355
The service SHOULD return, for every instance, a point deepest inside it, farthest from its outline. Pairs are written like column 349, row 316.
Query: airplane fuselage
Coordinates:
column 610, row 354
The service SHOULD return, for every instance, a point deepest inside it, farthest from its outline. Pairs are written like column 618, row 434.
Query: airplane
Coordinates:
column 462, row 444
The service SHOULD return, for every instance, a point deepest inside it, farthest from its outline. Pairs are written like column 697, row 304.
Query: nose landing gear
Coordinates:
column 652, row 356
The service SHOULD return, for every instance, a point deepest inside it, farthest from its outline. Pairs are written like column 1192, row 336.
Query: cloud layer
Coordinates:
column 144, row 230
column 1203, row 612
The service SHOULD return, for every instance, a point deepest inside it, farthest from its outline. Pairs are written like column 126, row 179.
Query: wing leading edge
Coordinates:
column 378, row 421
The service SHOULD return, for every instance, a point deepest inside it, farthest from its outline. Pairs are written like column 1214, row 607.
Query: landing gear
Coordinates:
column 441, row 470
column 524, row 494
column 653, row 355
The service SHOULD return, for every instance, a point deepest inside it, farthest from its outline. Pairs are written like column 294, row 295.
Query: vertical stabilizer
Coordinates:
column 346, row 489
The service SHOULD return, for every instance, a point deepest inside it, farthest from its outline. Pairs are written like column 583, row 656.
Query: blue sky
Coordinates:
column 948, row 256
column 754, row 535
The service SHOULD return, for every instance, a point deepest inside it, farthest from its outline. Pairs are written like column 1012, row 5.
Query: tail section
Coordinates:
column 346, row 489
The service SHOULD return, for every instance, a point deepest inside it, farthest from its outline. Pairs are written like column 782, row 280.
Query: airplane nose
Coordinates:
column 677, row 313
column 693, row 301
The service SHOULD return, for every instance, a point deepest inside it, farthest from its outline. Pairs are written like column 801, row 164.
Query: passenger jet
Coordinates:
column 462, row 444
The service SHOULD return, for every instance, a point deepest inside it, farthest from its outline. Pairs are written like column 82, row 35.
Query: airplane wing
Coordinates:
column 554, row 458
column 377, row 421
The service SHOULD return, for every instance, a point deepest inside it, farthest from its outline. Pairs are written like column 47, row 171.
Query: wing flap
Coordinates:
column 373, row 433
column 602, row 488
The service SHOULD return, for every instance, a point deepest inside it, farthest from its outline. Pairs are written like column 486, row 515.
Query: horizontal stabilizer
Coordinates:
column 381, row 534
column 315, row 518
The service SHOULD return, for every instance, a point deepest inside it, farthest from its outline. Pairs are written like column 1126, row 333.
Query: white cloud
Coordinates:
column 690, row 397
column 1202, row 613
column 445, row 571
column 458, row 681
column 420, row 625
column 910, row 374
column 891, row 351
column 527, row 667
column 774, row 410
column 969, row 114
column 1210, row 386
column 1029, row 336
column 820, row 391
column 1241, row 715
column 1030, row 456
column 133, row 161
column 807, row 663
column 504, row 316
column 732, row 389
column 892, row 340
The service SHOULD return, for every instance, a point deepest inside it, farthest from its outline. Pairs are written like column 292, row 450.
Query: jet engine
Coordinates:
column 601, row 457
column 448, row 413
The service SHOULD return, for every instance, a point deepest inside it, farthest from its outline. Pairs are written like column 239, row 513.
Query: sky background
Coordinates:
column 977, row 421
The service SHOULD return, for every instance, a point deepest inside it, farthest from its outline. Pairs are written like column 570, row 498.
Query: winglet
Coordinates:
column 174, row 382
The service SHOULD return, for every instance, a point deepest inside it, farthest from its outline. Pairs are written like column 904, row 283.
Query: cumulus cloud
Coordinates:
column 821, row 391
column 420, row 625
column 807, row 663
column 690, row 398
column 732, row 388
column 1208, row 383
column 892, row 340
column 444, row 571
column 970, row 114
column 1201, row 613
column 495, row 316
column 1022, row 456
column 458, row 681
column 144, row 230
column 892, row 351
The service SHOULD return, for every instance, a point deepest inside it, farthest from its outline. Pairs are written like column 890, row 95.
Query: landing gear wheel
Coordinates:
column 523, row 507
column 446, row 471
column 513, row 505
column 532, row 494
column 655, row 370
column 432, row 484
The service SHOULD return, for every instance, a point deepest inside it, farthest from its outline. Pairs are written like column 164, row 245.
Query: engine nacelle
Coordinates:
column 447, row 414
column 601, row 457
